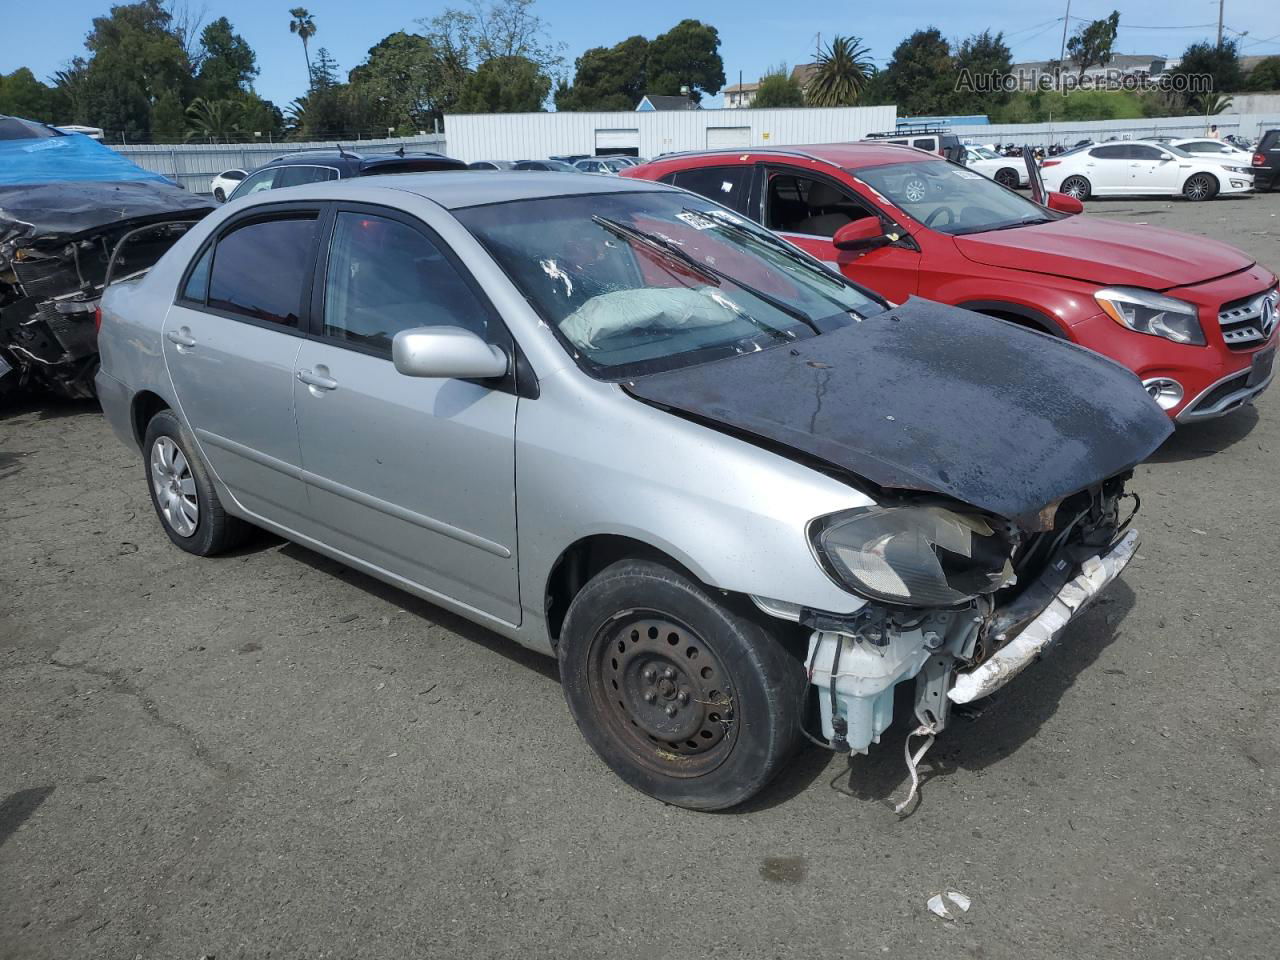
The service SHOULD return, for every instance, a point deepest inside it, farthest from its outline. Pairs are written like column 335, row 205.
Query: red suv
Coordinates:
column 1193, row 318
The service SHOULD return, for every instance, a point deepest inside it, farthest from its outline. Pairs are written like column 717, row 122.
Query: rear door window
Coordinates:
column 296, row 176
column 1113, row 151
column 727, row 185
column 259, row 268
column 925, row 143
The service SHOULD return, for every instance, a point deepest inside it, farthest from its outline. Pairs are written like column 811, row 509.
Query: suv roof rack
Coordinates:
column 908, row 130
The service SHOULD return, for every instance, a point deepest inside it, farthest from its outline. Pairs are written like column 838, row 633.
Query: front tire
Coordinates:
column 1077, row 187
column 1200, row 186
column 220, row 195
column 182, row 491
column 684, row 698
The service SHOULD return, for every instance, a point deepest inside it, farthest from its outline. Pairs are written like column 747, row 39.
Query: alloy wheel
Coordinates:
column 1075, row 187
column 1198, row 188
column 665, row 696
column 174, row 487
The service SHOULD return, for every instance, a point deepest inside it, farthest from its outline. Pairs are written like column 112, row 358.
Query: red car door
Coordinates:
column 807, row 208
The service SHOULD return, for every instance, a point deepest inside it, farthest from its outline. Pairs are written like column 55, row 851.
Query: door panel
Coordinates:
column 230, row 343
column 413, row 475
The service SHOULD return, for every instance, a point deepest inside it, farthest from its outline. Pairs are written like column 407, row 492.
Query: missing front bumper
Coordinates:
column 1015, row 656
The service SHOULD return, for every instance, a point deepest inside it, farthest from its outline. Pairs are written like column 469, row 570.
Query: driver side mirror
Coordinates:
column 1064, row 204
column 864, row 234
column 446, row 352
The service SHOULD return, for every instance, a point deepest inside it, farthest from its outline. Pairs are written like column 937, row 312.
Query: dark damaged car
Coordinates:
column 72, row 213
column 740, row 498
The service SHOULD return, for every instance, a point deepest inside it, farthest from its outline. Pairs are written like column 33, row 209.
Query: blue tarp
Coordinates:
column 72, row 158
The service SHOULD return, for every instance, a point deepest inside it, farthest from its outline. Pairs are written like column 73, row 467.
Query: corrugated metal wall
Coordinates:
column 194, row 165
column 520, row 136
column 1069, row 132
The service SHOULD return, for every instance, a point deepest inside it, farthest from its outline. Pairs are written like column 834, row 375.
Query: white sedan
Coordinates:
column 1129, row 168
column 1006, row 171
column 1206, row 148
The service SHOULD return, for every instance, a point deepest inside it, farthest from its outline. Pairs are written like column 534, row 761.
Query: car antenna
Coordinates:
column 341, row 152
column 400, row 152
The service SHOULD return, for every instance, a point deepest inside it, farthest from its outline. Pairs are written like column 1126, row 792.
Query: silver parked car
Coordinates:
column 738, row 497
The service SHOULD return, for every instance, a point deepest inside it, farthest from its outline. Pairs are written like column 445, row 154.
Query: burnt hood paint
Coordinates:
column 1106, row 252
column 933, row 398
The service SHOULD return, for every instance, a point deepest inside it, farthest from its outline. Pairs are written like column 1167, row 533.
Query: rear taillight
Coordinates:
column 1259, row 160
column 97, row 317
column 1050, row 163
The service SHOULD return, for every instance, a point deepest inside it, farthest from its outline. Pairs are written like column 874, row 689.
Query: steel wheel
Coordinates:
column 1077, row 187
column 175, row 487
column 1199, row 187
column 666, row 697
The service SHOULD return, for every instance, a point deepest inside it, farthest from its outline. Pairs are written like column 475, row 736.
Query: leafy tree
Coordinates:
column 168, row 118
column 1265, row 76
column 984, row 55
column 492, row 31
column 324, row 74
column 840, row 73
column 259, row 116
column 777, row 89
column 920, row 78
column 22, row 95
column 408, row 81
column 303, row 24
column 687, row 55
column 227, row 64
column 1221, row 63
column 1091, row 43
column 607, row 78
column 213, row 120
column 505, row 85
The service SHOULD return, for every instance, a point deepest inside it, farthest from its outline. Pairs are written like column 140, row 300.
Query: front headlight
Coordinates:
column 920, row 556
column 1146, row 311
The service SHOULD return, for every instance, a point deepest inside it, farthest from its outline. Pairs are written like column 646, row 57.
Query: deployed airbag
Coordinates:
column 668, row 308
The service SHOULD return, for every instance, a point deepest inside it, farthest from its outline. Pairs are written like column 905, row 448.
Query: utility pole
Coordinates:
column 1066, row 22
column 1220, row 3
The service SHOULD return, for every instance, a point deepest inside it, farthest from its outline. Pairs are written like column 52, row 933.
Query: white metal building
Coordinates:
column 527, row 136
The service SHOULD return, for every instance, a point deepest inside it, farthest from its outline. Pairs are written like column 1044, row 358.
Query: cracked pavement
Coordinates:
column 267, row 755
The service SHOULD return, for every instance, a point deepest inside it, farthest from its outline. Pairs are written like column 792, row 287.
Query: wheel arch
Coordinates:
column 1018, row 313
column 145, row 405
column 587, row 556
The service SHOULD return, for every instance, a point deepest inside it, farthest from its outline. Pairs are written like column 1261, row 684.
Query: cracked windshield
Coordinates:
column 635, row 283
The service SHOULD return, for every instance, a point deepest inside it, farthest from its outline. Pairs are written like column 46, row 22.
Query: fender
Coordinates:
column 1043, row 320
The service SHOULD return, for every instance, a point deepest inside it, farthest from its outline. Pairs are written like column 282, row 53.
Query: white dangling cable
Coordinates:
column 913, row 761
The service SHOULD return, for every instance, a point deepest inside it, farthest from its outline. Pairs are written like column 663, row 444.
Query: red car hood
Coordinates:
column 1106, row 252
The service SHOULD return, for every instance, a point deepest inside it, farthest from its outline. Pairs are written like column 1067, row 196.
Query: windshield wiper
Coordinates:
column 674, row 251
column 1025, row 222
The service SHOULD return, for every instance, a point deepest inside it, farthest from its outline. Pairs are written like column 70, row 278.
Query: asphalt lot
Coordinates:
column 266, row 755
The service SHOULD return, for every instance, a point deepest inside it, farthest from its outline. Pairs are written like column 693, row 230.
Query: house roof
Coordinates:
column 742, row 88
column 802, row 73
column 667, row 103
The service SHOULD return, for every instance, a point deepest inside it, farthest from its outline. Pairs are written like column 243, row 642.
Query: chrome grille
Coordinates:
column 1248, row 322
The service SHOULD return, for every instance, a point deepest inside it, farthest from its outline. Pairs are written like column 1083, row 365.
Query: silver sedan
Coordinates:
column 737, row 496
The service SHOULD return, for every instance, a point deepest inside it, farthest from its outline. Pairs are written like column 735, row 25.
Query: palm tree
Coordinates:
column 304, row 25
column 840, row 74
column 213, row 120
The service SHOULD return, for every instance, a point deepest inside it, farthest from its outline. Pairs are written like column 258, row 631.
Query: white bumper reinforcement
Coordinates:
column 1011, row 659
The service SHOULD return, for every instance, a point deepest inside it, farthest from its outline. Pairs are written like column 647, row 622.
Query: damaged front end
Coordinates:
column 73, row 216
column 963, row 604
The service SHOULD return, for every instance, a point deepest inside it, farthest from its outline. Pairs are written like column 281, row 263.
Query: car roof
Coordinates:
column 456, row 189
column 844, row 155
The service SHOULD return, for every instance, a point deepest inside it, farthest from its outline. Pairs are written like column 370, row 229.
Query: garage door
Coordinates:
column 728, row 137
column 618, row 141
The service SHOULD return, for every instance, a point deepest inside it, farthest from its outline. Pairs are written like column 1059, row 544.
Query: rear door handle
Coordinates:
column 313, row 379
column 181, row 337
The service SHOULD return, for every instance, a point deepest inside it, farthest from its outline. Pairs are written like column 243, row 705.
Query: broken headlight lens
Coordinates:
column 1145, row 311
column 921, row 556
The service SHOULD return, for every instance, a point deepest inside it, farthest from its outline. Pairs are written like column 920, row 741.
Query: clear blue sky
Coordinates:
column 755, row 34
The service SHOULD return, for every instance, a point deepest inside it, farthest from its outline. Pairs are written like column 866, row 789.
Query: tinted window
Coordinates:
column 727, row 185
column 296, row 176
column 807, row 205
column 924, row 143
column 1140, row 151
column 234, row 175
column 1115, row 151
column 259, row 269
column 262, row 180
column 384, row 276
column 198, row 280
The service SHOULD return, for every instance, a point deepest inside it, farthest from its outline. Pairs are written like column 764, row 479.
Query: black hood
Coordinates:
column 933, row 398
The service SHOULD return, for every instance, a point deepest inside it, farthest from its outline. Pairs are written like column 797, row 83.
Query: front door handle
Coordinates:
column 181, row 337
column 317, row 380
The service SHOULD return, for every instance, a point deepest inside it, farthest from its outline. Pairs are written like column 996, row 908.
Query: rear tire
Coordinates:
column 685, row 699
column 182, row 491
column 1007, row 177
column 1078, row 187
column 220, row 195
column 1200, row 186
